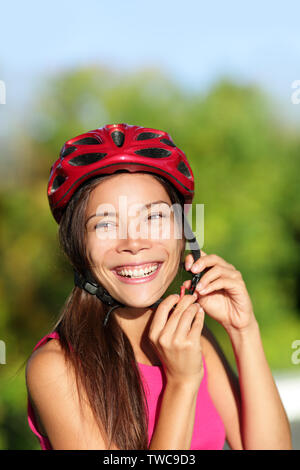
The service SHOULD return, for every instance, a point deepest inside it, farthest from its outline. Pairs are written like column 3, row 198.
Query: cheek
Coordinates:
column 172, row 247
column 169, row 231
column 97, row 249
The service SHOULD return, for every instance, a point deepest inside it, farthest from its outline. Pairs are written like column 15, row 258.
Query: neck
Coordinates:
column 135, row 322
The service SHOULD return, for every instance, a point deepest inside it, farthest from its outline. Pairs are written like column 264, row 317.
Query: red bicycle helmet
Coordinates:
column 105, row 151
column 114, row 147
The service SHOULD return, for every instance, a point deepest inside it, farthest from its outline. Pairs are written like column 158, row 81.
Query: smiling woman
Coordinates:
column 87, row 187
column 125, row 367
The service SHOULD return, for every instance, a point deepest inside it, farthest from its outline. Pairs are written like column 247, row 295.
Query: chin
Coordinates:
column 139, row 305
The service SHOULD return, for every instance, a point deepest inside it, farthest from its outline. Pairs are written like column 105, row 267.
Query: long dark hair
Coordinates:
column 102, row 358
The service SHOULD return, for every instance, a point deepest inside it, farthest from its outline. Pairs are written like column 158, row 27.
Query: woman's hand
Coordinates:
column 176, row 338
column 222, row 292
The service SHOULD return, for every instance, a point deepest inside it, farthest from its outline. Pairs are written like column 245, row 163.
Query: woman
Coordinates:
column 124, row 367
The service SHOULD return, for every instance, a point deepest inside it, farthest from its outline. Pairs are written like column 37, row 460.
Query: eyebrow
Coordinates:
column 145, row 206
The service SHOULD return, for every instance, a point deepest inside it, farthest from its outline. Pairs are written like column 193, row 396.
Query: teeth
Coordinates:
column 138, row 272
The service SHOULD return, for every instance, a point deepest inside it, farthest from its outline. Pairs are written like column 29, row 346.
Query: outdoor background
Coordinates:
column 218, row 76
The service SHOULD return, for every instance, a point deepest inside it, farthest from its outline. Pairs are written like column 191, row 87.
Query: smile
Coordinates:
column 136, row 274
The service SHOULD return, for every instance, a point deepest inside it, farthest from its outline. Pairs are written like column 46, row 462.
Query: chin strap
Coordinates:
column 88, row 284
column 96, row 289
column 93, row 288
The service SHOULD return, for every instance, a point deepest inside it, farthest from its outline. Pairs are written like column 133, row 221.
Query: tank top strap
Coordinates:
column 53, row 335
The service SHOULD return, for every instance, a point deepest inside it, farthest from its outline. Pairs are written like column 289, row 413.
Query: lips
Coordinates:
column 132, row 266
column 138, row 280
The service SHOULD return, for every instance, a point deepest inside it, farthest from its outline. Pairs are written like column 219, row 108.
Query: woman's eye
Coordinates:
column 103, row 225
column 157, row 213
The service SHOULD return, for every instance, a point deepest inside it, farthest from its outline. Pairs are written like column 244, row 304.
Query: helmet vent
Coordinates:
column 168, row 142
column 153, row 152
column 184, row 169
column 87, row 141
column 67, row 151
column 86, row 159
column 118, row 138
column 147, row 135
column 58, row 181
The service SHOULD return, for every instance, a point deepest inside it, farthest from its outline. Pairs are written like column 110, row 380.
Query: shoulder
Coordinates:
column 46, row 367
column 63, row 409
column 43, row 356
column 46, row 378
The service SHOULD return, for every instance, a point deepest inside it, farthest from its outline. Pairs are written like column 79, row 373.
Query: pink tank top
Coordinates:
column 209, row 431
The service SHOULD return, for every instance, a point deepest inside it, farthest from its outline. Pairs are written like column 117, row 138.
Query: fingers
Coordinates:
column 182, row 305
column 197, row 326
column 204, row 261
column 190, row 318
column 222, row 283
column 189, row 260
column 187, row 283
column 207, row 285
column 161, row 315
column 213, row 274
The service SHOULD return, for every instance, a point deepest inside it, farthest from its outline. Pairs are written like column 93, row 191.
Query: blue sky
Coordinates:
column 196, row 42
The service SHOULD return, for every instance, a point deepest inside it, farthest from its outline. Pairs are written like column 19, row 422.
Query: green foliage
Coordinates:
column 247, row 169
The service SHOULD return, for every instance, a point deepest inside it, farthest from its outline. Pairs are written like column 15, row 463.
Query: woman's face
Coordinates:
column 124, row 237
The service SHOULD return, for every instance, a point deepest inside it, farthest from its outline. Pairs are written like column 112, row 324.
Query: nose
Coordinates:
column 133, row 244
